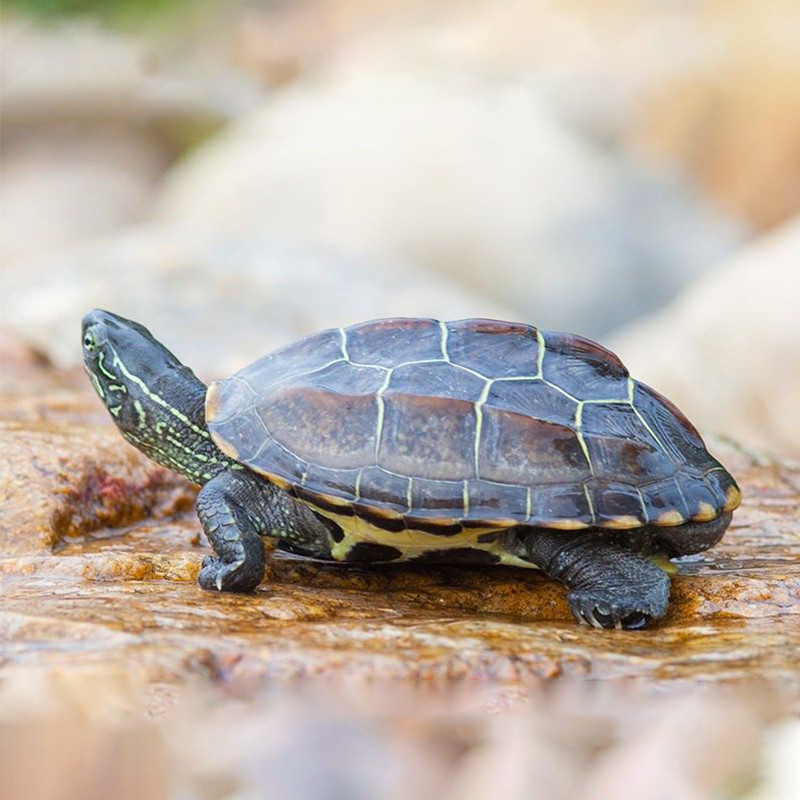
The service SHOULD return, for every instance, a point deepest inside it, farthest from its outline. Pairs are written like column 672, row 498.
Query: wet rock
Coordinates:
column 461, row 172
column 727, row 351
column 61, row 483
column 218, row 302
column 99, row 551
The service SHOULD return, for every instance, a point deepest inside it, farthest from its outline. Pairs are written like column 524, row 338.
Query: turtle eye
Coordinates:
column 88, row 341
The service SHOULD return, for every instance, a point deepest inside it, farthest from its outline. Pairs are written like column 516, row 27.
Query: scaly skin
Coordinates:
column 237, row 508
column 159, row 406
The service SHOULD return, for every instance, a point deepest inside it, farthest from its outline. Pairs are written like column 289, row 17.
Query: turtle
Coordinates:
column 407, row 439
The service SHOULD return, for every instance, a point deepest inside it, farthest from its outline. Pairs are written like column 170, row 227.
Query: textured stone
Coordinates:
column 59, row 481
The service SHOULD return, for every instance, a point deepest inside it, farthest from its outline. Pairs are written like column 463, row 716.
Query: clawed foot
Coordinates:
column 220, row 576
column 619, row 613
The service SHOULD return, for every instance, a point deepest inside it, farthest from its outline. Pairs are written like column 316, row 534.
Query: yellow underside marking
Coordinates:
column 706, row 513
column 733, row 498
column 563, row 524
column 673, row 517
column 622, row 523
column 412, row 543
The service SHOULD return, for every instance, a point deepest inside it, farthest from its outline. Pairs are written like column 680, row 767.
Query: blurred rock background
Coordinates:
column 237, row 174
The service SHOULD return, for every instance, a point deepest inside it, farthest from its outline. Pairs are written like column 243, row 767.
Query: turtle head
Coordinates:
column 156, row 402
column 123, row 359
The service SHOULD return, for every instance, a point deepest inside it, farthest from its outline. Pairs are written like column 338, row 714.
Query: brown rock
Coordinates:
column 61, row 482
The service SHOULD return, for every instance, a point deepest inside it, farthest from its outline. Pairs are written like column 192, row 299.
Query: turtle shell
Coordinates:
column 475, row 423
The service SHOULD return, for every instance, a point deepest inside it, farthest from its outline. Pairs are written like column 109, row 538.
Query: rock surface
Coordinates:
column 100, row 550
column 461, row 172
column 218, row 301
column 727, row 351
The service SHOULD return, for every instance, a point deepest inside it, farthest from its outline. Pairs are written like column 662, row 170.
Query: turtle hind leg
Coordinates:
column 609, row 585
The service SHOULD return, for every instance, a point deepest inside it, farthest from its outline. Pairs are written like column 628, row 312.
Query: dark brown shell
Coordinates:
column 474, row 422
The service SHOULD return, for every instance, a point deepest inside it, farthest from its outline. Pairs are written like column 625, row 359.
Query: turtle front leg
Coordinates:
column 236, row 508
column 228, row 510
column 610, row 586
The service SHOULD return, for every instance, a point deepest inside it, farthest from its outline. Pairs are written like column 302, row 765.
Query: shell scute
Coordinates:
column 665, row 498
column 583, row 368
column 617, row 505
column 430, row 436
column 493, row 349
column 719, row 484
column 436, row 379
column 532, row 398
column 337, row 482
column 387, row 343
column 385, row 488
column 437, row 498
column 512, row 445
column 486, row 501
column 699, row 497
column 321, row 426
column 618, row 442
column 561, row 505
column 674, row 432
column 299, row 358
column 245, row 435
